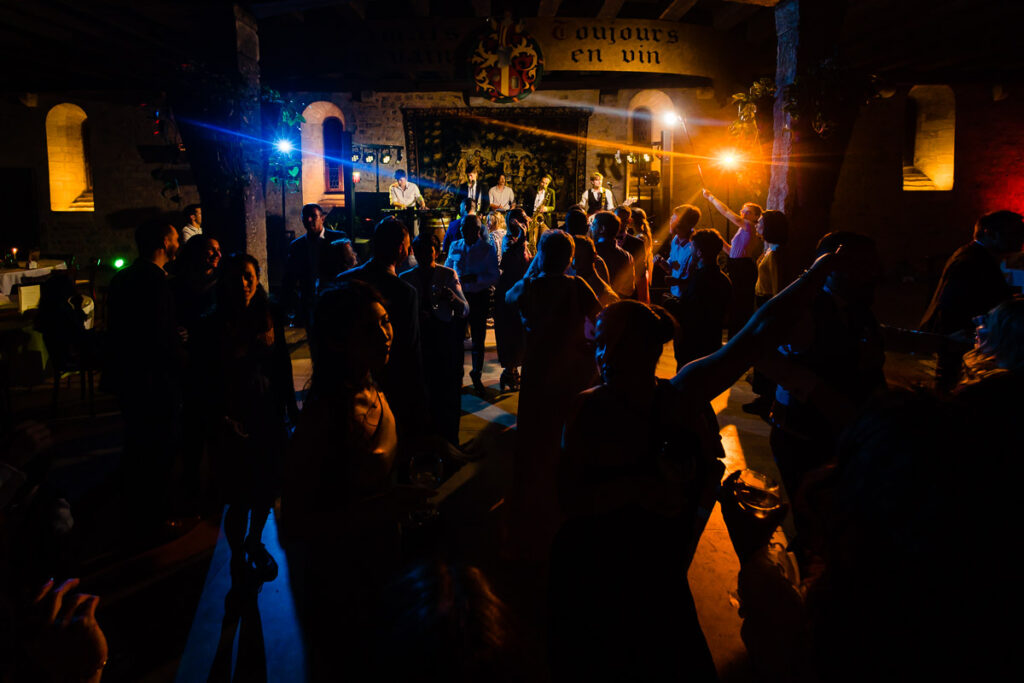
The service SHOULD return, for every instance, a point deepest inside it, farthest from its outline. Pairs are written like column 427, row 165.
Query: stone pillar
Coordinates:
column 787, row 28
column 252, row 158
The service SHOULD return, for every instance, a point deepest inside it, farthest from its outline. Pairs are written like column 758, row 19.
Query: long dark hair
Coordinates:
column 330, row 336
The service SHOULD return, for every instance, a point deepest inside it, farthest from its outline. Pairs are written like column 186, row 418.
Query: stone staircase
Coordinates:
column 914, row 180
column 83, row 202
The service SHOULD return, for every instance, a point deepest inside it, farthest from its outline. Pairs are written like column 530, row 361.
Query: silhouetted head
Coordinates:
column 630, row 338
column 1000, row 231
column 576, row 221
column 554, row 253
column 157, row 240
column 583, row 260
column 471, row 229
column 425, row 248
column 684, row 219
column 707, row 244
column 390, row 241
column 855, row 283
column 351, row 336
column 313, row 219
column 605, row 226
column 773, row 227
column 194, row 215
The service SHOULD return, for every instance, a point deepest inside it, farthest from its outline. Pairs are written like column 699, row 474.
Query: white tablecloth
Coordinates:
column 13, row 276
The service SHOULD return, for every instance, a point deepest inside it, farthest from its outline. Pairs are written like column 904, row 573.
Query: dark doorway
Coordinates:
column 20, row 228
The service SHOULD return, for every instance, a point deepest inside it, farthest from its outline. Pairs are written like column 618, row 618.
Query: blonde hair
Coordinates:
column 495, row 221
column 596, row 175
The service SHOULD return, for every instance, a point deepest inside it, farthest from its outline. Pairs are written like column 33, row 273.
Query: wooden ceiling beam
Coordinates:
column 610, row 9
column 677, row 9
column 548, row 8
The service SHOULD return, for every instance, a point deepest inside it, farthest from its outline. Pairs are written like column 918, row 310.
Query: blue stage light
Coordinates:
column 284, row 146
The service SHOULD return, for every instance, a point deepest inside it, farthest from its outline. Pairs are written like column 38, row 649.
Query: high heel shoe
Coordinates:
column 478, row 385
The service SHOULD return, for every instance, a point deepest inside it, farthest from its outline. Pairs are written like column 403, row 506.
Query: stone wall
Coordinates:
column 374, row 117
column 916, row 231
column 127, row 188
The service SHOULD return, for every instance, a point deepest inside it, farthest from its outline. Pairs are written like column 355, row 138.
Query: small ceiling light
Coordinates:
column 385, row 157
column 369, row 156
column 356, row 156
column 647, row 157
column 630, row 158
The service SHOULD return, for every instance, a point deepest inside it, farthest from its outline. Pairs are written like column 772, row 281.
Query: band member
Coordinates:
column 477, row 191
column 501, row 195
column 405, row 195
column 597, row 198
column 541, row 208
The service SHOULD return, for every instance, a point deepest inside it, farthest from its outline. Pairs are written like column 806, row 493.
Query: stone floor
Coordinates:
column 485, row 432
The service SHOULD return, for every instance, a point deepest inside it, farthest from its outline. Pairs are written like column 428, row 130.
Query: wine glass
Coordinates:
column 426, row 471
column 758, row 493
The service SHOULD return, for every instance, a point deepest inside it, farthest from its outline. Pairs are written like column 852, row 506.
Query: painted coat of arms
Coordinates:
column 507, row 63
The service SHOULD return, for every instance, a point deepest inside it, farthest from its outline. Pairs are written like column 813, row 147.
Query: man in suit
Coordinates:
column 477, row 191
column 403, row 381
column 540, row 205
column 972, row 284
column 314, row 258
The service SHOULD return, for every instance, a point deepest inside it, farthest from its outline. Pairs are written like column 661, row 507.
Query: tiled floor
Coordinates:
column 258, row 636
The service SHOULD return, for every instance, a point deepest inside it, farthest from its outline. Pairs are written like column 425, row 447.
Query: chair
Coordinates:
column 69, row 346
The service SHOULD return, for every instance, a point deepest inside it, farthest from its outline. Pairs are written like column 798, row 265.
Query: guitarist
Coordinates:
column 597, row 198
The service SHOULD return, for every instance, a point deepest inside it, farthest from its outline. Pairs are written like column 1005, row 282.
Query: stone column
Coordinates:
column 787, row 28
column 252, row 157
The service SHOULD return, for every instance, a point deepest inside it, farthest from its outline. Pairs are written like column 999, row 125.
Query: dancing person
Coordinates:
column 971, row 285
column 773, row 228
column 193, row 223
column 340, row 508
column 583, row 262
column 476, row 261
column 631, row 491
column 454, row 231
column 495, row 231
column 744, row 251
column 508, row 326
column 402, row 378
column 703, row 306
column 638, row 241
column 311, row 263
column 677, row 262
column 606, row 226
column 145, row 356
column 443, row 308
column 557, row 365
column 249, row 399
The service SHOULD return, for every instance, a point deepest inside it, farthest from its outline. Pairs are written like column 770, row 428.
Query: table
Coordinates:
column 12, row 276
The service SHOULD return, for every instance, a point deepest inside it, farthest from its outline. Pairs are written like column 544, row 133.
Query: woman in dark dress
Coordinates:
column 636, row 460
column 557, row 364
column 249, row 408
column 508, row 326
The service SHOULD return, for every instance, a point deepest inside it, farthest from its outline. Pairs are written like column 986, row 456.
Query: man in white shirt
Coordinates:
column 680, row 249
column 744, row 251
column 405, row 195
column 501, row 196
column 194, row 216
column 476, row 262
column 597, row 198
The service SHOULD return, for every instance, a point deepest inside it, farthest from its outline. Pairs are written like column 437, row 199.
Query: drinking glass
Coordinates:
column 426, row 471
column 758, row 493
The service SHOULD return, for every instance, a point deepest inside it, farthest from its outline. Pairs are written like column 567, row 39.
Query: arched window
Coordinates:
column 322, row 176
column 67, row 142
column 929, row 138
column 332, row 156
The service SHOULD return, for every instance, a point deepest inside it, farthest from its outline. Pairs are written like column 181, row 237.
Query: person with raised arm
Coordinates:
column 745, row 249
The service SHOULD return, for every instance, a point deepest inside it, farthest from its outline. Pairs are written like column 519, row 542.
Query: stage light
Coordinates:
column 385, row 157
column 369, row 156
column 630, row 158
column 671, row 118
column 119, row 263
column 729, row 159
column 356, row 156
column 647, row 158
column 284, row 146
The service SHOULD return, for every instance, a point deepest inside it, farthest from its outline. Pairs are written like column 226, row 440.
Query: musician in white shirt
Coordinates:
column 404, row 194
column 501, row 196
column 597, row 198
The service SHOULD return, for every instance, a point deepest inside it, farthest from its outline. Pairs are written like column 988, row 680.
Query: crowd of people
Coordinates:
column 615, row 470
